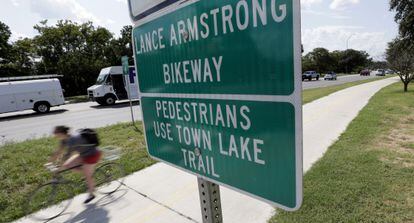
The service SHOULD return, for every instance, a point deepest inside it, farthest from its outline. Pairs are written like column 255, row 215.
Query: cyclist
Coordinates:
column 76, row 150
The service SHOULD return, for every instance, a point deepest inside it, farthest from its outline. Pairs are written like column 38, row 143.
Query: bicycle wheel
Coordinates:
column 108, row 178
column 49, row 201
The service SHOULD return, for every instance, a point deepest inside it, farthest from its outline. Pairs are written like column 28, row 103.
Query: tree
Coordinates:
column 5, row 47
column 404, row 17
column 76, row 51
column 320, row 59
column 401, row 59
column 5, row 50
column 24, row 56
column 350, row 60
column 121, row 47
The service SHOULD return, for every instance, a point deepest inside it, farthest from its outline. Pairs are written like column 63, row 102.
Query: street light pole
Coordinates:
column 347, row 47
column 347, row 40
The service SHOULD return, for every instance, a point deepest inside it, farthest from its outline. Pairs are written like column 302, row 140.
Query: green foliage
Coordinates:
column 404, row 17
column 4, row 42
column 76, row 51
column 400, row 52
column 400, row 57
column 321, row 60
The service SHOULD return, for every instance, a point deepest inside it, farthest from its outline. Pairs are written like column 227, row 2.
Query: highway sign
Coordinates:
column 220, row 91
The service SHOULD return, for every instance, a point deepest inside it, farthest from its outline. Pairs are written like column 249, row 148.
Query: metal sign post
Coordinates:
column 210, row 201
column 125, row 69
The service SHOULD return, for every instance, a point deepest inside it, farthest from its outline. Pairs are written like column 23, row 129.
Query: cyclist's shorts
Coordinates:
column 93, row 158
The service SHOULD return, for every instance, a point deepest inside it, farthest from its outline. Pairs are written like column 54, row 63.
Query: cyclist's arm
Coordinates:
column 57, row 153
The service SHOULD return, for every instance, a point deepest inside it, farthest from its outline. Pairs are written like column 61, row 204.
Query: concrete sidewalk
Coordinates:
column 162, row 194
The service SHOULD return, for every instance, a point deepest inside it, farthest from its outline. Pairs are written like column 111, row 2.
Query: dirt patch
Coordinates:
column 401, row 141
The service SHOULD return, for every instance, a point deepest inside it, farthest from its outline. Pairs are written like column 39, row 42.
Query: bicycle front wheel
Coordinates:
column 49, row 201
column 109, row 178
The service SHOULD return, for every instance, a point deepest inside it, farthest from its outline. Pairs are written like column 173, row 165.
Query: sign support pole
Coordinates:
column 130, row 103
column 210, row 201
column 125, row 70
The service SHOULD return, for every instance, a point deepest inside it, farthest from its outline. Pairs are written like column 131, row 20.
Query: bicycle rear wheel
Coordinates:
column 109, row 178
column 49, row 201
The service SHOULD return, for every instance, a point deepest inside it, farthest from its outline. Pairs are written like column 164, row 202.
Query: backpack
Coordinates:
column 90, row 136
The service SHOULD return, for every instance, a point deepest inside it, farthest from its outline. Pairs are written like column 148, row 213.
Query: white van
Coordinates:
column 112, row 85
column 38, row 95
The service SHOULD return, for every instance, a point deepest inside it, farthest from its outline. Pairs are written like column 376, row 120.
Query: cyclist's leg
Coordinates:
column 88, row 170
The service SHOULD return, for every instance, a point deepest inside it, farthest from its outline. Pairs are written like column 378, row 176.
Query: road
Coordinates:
column 19, row 126
column 341, row 80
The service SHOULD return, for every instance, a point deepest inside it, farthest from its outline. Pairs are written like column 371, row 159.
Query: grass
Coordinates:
column 310, row 95
column 77, row 99
column 367, row 175
column 21, row 166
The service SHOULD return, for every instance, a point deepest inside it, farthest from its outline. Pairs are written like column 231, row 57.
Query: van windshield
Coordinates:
column 101, row 79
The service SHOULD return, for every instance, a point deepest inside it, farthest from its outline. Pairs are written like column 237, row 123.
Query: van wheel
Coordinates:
column 42, row 107
column 109, row 100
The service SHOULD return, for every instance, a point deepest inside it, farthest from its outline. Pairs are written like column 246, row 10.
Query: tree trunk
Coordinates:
column 405, row 87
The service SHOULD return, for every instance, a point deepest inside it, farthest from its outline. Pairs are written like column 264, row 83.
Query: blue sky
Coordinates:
column 367, row 24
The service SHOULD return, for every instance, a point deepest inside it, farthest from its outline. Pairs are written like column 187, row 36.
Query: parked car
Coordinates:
column 365, row 73
column 389, row 71
column 380, row 72
column 309, row 75
column 23, row 94
column 330, row 76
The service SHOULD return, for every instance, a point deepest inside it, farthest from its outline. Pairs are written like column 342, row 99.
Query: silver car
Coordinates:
column 330, row 76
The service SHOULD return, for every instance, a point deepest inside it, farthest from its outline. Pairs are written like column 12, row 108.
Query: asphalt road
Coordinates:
column 341, row 80
column 19, row 126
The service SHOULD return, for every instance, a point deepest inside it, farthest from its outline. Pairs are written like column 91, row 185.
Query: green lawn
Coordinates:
column 21, row 166
column 310, row 95
column 77, row 99
column 368, row 174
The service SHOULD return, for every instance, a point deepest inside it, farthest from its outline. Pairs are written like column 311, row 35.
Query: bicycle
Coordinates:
column 51, row 199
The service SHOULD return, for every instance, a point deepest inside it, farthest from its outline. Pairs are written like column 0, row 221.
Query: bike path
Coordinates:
column 162, row 194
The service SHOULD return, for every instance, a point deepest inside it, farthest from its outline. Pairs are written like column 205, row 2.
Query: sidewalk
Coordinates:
column 162, row 194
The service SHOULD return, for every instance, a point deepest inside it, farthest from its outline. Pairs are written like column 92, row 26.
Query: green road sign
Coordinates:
column 125, row 65
column 220, row 89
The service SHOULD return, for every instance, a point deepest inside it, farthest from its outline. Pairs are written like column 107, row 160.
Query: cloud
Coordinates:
column 325, row 14
column 15, row 2
column 122, row 1
column 335, row 38
column 63, row 9
column 307, row 3
column 342, row 4
column 110, row 21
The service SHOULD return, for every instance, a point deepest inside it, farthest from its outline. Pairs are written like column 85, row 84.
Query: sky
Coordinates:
column 333, row 24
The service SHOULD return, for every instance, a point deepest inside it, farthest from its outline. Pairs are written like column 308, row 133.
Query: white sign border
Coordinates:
column 295, row 99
